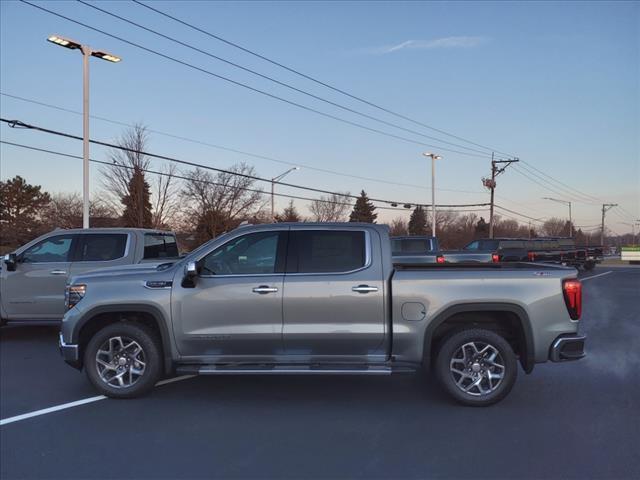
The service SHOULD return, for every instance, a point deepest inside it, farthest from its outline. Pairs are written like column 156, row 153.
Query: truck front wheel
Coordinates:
column 476, row 367
column 123, row 360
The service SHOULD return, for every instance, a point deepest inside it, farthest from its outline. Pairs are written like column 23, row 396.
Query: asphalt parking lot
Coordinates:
column 572, row 420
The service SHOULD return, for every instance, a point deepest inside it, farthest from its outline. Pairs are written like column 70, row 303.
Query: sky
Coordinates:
column 555, row 84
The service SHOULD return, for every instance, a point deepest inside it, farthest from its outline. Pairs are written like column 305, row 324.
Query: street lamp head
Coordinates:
column 432, row 155
column 106, row 56
column 64, row 42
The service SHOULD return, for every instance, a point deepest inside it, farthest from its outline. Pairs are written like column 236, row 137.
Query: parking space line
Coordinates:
column 77, row 403
column 596, row 276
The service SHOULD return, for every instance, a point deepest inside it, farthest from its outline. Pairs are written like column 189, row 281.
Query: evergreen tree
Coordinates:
column 137, row 202
column 418, row 222
column 363, row 210
column 20, row 207
column 289, row 214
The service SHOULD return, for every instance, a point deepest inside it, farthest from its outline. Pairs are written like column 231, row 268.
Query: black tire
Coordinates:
column 588, row 266
column 151, row 356
column 449, row 355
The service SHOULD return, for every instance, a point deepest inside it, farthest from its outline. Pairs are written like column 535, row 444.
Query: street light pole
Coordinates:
column 273, row 181
column 434, row 157
column 86, row 53
column 564, row 202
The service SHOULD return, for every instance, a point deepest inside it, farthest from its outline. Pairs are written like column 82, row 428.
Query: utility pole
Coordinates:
column 490, row 183
column 605, row 208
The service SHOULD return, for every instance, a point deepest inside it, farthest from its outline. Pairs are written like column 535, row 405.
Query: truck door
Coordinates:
column 234, row 308
column 334, row 296
column 35, row 290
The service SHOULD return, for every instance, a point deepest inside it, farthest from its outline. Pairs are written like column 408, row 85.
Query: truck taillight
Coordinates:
column 531, row 256
column 495, row 258
column 572, row 290
column 440, row 259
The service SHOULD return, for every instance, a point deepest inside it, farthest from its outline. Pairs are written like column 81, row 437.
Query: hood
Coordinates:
column 159, row 267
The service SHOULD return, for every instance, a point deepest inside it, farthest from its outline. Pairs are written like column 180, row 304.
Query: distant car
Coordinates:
column 416, row 250
column 489, row 250
column 33, row 278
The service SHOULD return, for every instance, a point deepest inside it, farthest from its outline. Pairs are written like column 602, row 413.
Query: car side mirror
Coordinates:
column 11, row 261
column 190, row 275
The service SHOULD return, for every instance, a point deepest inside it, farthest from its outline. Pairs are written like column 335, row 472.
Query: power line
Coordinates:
column 233, row 150
column 561, row 183
column 566, row 192
column 315, row 80
column 520, row 214
column 208, row 182
column 20, row 124
column 271, row 79
column 248, row 87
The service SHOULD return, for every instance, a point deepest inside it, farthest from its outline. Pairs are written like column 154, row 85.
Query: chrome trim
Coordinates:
column 58, row 272
column 364, row 289
column 367, row 255
column 555, row 354
column 294, row 371
column 264, row 289
column 69, row 352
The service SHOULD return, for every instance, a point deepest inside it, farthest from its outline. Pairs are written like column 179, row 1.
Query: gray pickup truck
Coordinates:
column 319, row 299
column 33, row 278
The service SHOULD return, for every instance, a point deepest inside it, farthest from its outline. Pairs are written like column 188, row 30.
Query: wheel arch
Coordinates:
column 114, row 313
column 485, row 310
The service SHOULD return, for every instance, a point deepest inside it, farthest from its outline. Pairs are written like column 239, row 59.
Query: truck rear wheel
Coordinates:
column 476, row 367
column 123, row 360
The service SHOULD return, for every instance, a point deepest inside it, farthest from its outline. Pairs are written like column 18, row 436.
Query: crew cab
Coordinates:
column 33, row 278
column 319, row 299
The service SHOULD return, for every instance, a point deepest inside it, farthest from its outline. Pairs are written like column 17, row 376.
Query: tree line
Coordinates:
column 200, row 205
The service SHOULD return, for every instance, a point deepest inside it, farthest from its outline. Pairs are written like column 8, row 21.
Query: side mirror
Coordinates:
column 190, row 275
column 11, row 260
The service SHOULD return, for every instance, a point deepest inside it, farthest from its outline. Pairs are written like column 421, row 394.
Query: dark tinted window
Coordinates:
column 53, row 249
column 329, row 251
column 489, row 245
column 102, row 247
column 410, row 245
column 512, row 244
column 473, row 246
column 255, row 253
column 158, row 245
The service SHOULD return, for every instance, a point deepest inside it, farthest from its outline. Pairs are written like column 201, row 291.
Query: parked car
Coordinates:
column 33, row 278
column 319, row 299
column 490, row 250
column 415, row 249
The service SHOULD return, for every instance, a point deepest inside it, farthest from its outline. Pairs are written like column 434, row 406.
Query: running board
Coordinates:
column 282, row 370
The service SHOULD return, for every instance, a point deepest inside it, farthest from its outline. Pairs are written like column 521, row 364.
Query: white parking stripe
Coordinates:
column 596, row 276
column 77, row 403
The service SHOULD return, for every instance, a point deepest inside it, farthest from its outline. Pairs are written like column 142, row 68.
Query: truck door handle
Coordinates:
column 364, row 289
column 262, row 289
column 58, row 272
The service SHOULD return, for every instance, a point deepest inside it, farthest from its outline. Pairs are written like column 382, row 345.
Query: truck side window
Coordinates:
column 160, row 245
column 53, row 249
column 255, row 253
column 102, row 247
column 329, row 251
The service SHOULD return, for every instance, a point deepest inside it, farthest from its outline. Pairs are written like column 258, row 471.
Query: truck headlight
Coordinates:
column 74, row 294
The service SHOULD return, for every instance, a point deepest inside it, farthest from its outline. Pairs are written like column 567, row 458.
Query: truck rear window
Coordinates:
column 160, row 245
column 102, row 247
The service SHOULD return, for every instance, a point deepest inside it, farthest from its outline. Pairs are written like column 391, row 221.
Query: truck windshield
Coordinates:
column 160, row 245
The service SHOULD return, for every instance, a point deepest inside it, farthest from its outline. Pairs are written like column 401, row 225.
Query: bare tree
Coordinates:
column 398, row 227
column 554, row 227
column 331, row 208
column 65, row 211
column 117, row 177
column 217, row 203
column 166, row 199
